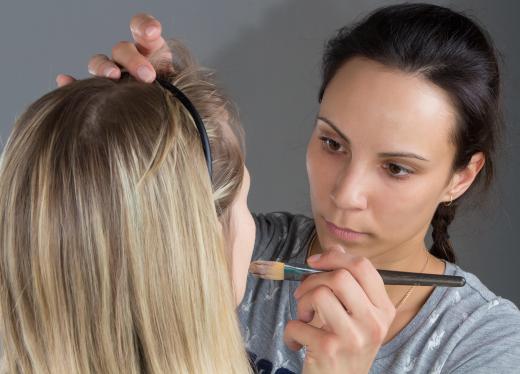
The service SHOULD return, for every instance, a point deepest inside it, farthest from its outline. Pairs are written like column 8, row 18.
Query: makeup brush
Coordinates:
column 279, row 271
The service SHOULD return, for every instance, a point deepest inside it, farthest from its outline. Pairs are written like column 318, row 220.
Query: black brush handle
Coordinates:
column 420, row 279
column 298, row 272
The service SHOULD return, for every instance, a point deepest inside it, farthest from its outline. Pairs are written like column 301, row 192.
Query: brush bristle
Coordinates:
column 267, row 269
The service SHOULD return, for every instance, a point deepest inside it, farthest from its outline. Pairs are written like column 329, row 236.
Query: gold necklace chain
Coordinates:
column 409, row 292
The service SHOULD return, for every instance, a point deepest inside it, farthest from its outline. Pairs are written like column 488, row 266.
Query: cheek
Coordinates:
column 404, row 208
column 243, row 242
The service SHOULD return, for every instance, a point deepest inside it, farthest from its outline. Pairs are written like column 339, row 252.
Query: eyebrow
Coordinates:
column 329, row 122
column 381, row 154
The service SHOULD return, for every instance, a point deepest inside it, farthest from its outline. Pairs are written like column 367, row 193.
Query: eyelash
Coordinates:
column 402, row 168
column 327, row 142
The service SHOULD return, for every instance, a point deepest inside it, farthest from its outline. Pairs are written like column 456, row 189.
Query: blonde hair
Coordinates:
column 112, row 256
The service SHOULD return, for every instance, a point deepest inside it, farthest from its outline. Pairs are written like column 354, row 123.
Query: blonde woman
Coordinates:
column 112, row 232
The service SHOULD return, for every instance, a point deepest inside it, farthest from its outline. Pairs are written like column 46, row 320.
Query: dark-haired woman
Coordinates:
column 407, row 127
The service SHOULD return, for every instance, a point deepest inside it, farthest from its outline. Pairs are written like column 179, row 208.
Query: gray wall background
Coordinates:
column 267, row 54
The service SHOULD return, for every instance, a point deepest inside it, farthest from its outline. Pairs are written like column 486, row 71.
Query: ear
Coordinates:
column 462, row 179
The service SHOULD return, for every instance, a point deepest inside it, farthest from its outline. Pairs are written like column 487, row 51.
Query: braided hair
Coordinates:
column 442, row 218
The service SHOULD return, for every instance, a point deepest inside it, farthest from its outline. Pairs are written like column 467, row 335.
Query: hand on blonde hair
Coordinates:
column 141, row 58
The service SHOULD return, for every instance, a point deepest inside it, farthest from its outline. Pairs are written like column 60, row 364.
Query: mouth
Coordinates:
column 344, row 233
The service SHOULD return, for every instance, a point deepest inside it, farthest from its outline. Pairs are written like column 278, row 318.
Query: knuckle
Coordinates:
column 98, row 57
column 378, row 328
column 340, row 278
column 390, row 311
column 290, row 331
column 95, row 62
column 361, row 264
column 329, row 346
column 304, row 312
column 290, row 326
column 321, row 294
column 120, row 47
column 356, row 343
column 378, row 333
column 311, row 278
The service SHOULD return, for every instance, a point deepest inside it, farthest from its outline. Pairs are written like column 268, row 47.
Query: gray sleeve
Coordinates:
column 270, row 230
column 494, row 344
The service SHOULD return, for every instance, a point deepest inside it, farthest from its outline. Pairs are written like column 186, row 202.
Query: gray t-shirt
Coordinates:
column 458, row 330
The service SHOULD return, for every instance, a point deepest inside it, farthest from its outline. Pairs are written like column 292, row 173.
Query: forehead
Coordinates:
column 380, row 106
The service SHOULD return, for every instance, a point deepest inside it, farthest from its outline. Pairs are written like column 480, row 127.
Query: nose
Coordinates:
column 350, row 189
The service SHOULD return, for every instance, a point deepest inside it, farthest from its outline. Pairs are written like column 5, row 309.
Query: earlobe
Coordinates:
column 462, row 179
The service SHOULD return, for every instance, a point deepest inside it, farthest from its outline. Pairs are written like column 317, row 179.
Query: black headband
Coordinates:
column 196, row 118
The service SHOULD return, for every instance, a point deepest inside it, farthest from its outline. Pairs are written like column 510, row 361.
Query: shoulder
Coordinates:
column 475, row 297
column 280, row 221
column 475, row 303
column 279, row 235
column 487, row 327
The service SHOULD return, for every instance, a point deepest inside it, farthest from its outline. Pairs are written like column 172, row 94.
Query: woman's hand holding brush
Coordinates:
column 355, row 313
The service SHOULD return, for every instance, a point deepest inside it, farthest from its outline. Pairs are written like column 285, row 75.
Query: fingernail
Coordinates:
column 145, row 73
column 151, row 31
column 91, row 71
column 314, row 258
column 109, row 72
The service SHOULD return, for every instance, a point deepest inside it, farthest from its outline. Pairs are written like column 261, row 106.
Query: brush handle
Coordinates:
column 404, row 278
column 421, row 279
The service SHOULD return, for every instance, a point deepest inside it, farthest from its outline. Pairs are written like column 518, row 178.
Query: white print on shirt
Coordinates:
column 434, row 316
column 493, row 304
column 464, row 317
column 270, row 296
column 278, row 332
column 435, row 340
column 248, row 337
column 409, row 364
column 280, row 363
column 246, row 305
column 437, row 369
column 456, row 297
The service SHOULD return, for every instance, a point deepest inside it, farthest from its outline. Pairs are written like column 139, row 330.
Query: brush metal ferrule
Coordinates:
column 298, row 272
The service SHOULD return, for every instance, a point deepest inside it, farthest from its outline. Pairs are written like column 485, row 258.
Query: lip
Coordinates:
column 342, row 233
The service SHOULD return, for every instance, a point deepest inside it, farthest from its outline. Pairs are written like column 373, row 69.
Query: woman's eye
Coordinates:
column 331, row 145
column 397, row 171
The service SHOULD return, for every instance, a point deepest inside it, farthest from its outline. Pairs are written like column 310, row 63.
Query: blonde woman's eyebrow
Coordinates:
column 381, row 154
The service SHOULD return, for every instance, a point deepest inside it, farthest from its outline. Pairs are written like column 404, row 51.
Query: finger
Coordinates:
column 127, row 55
column 323, row 303
column 297, row 334
column 344, row 287
column 363, row 271
column 101, row 66
column 63, row 80
column 147, row 33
